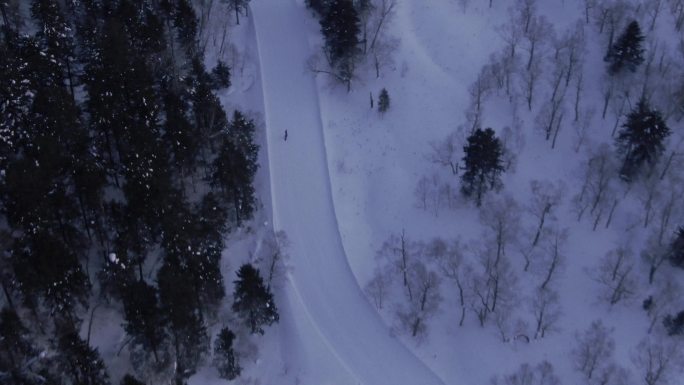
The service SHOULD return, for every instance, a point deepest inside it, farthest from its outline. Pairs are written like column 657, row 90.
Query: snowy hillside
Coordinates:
column 342, row 192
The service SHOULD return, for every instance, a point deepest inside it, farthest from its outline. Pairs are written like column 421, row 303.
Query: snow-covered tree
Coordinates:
column 594, row 350
column 640, row 142
column 627, row 51
column 253, row 301
column 482, row 164
column 225, row 358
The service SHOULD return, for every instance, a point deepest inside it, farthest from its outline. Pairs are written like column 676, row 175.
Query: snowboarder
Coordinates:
column 286, row 135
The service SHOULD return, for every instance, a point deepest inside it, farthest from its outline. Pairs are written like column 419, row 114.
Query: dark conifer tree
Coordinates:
column 80, row 363
column 17, row 349
column 144, row 320
column 130, row 380
column 483, row 164
column 627, row 51
column 185, row 22
column 55, row 34
column 677, row 248
column 186, row 325
column 221, row 75
column 640, row 142
column 225, row 358
column 674, row 324
column 198, row 252
column 383, row 101
column 253, row 301
column 46, row 269
column 318, row 6
column 340, row 28
column 209, row 118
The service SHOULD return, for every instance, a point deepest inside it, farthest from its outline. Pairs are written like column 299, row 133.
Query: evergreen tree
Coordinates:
column 128, row 379
column 483, row 164
column 47, row 269
column 677, row 249
column 144, row 321
column 383, row 101
column 235, row 165
column 199, row 253
column 16, row 349
column 641, row 139
column 80, row 363
column 627, row 51
column 225, row 359
column 318, row 6
column 180, row 135
column 179, row 301
column 340, row 28
column 674, row 324
column 241, row 132
column 253, row 301
column 55, row 34
column 209, row 118
column 185, row 22
column 221, row 75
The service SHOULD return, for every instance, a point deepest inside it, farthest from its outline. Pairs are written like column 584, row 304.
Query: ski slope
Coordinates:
column 324, row 298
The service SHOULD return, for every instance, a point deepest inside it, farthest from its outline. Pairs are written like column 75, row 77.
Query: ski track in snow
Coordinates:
column 322, row 291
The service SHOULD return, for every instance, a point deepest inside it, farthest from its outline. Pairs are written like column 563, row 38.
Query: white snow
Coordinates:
column 322, row 291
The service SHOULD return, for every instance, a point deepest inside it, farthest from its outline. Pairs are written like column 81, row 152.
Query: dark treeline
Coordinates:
column 120, row 173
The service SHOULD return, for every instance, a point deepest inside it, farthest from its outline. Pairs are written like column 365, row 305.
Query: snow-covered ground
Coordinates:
column 346, row 177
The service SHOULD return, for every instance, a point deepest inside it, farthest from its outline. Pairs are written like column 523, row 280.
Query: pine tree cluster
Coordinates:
column 115, row 152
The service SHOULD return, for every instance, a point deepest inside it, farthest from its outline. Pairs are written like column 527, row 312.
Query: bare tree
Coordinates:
column 668, row 206
column 511, row 33
column 610, row 15
column 677, row 9
column 589, row 6
column 596, row 193
column 541, row 374
column 396, row 251
column 382, row 53
column 581, row 126
column 658, row 360
column 545, row 306
column 378, row 287
column 530, row 79
column 501, row 217
column 594, row 349
column 611, row 374
column 536, row 35
column 493, row 285
column 615, row 274
column 523, row 13
column 447, row 152
column 428, row 193
column 449, row 256
column 273, row 251
column 654, row 254
column 479, row 91
column 553, row 261
column 666, row 294
column 546, row 197
column 648, row 193
column 381, row 15
column 579, row 87
column 424, row 304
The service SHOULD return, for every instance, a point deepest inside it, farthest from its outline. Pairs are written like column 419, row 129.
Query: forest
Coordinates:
column 120, row 175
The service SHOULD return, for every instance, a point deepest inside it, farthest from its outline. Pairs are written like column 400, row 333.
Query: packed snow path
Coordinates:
column 320, row 276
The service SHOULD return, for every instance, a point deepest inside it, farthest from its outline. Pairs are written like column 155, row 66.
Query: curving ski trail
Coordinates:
column 322, row 292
